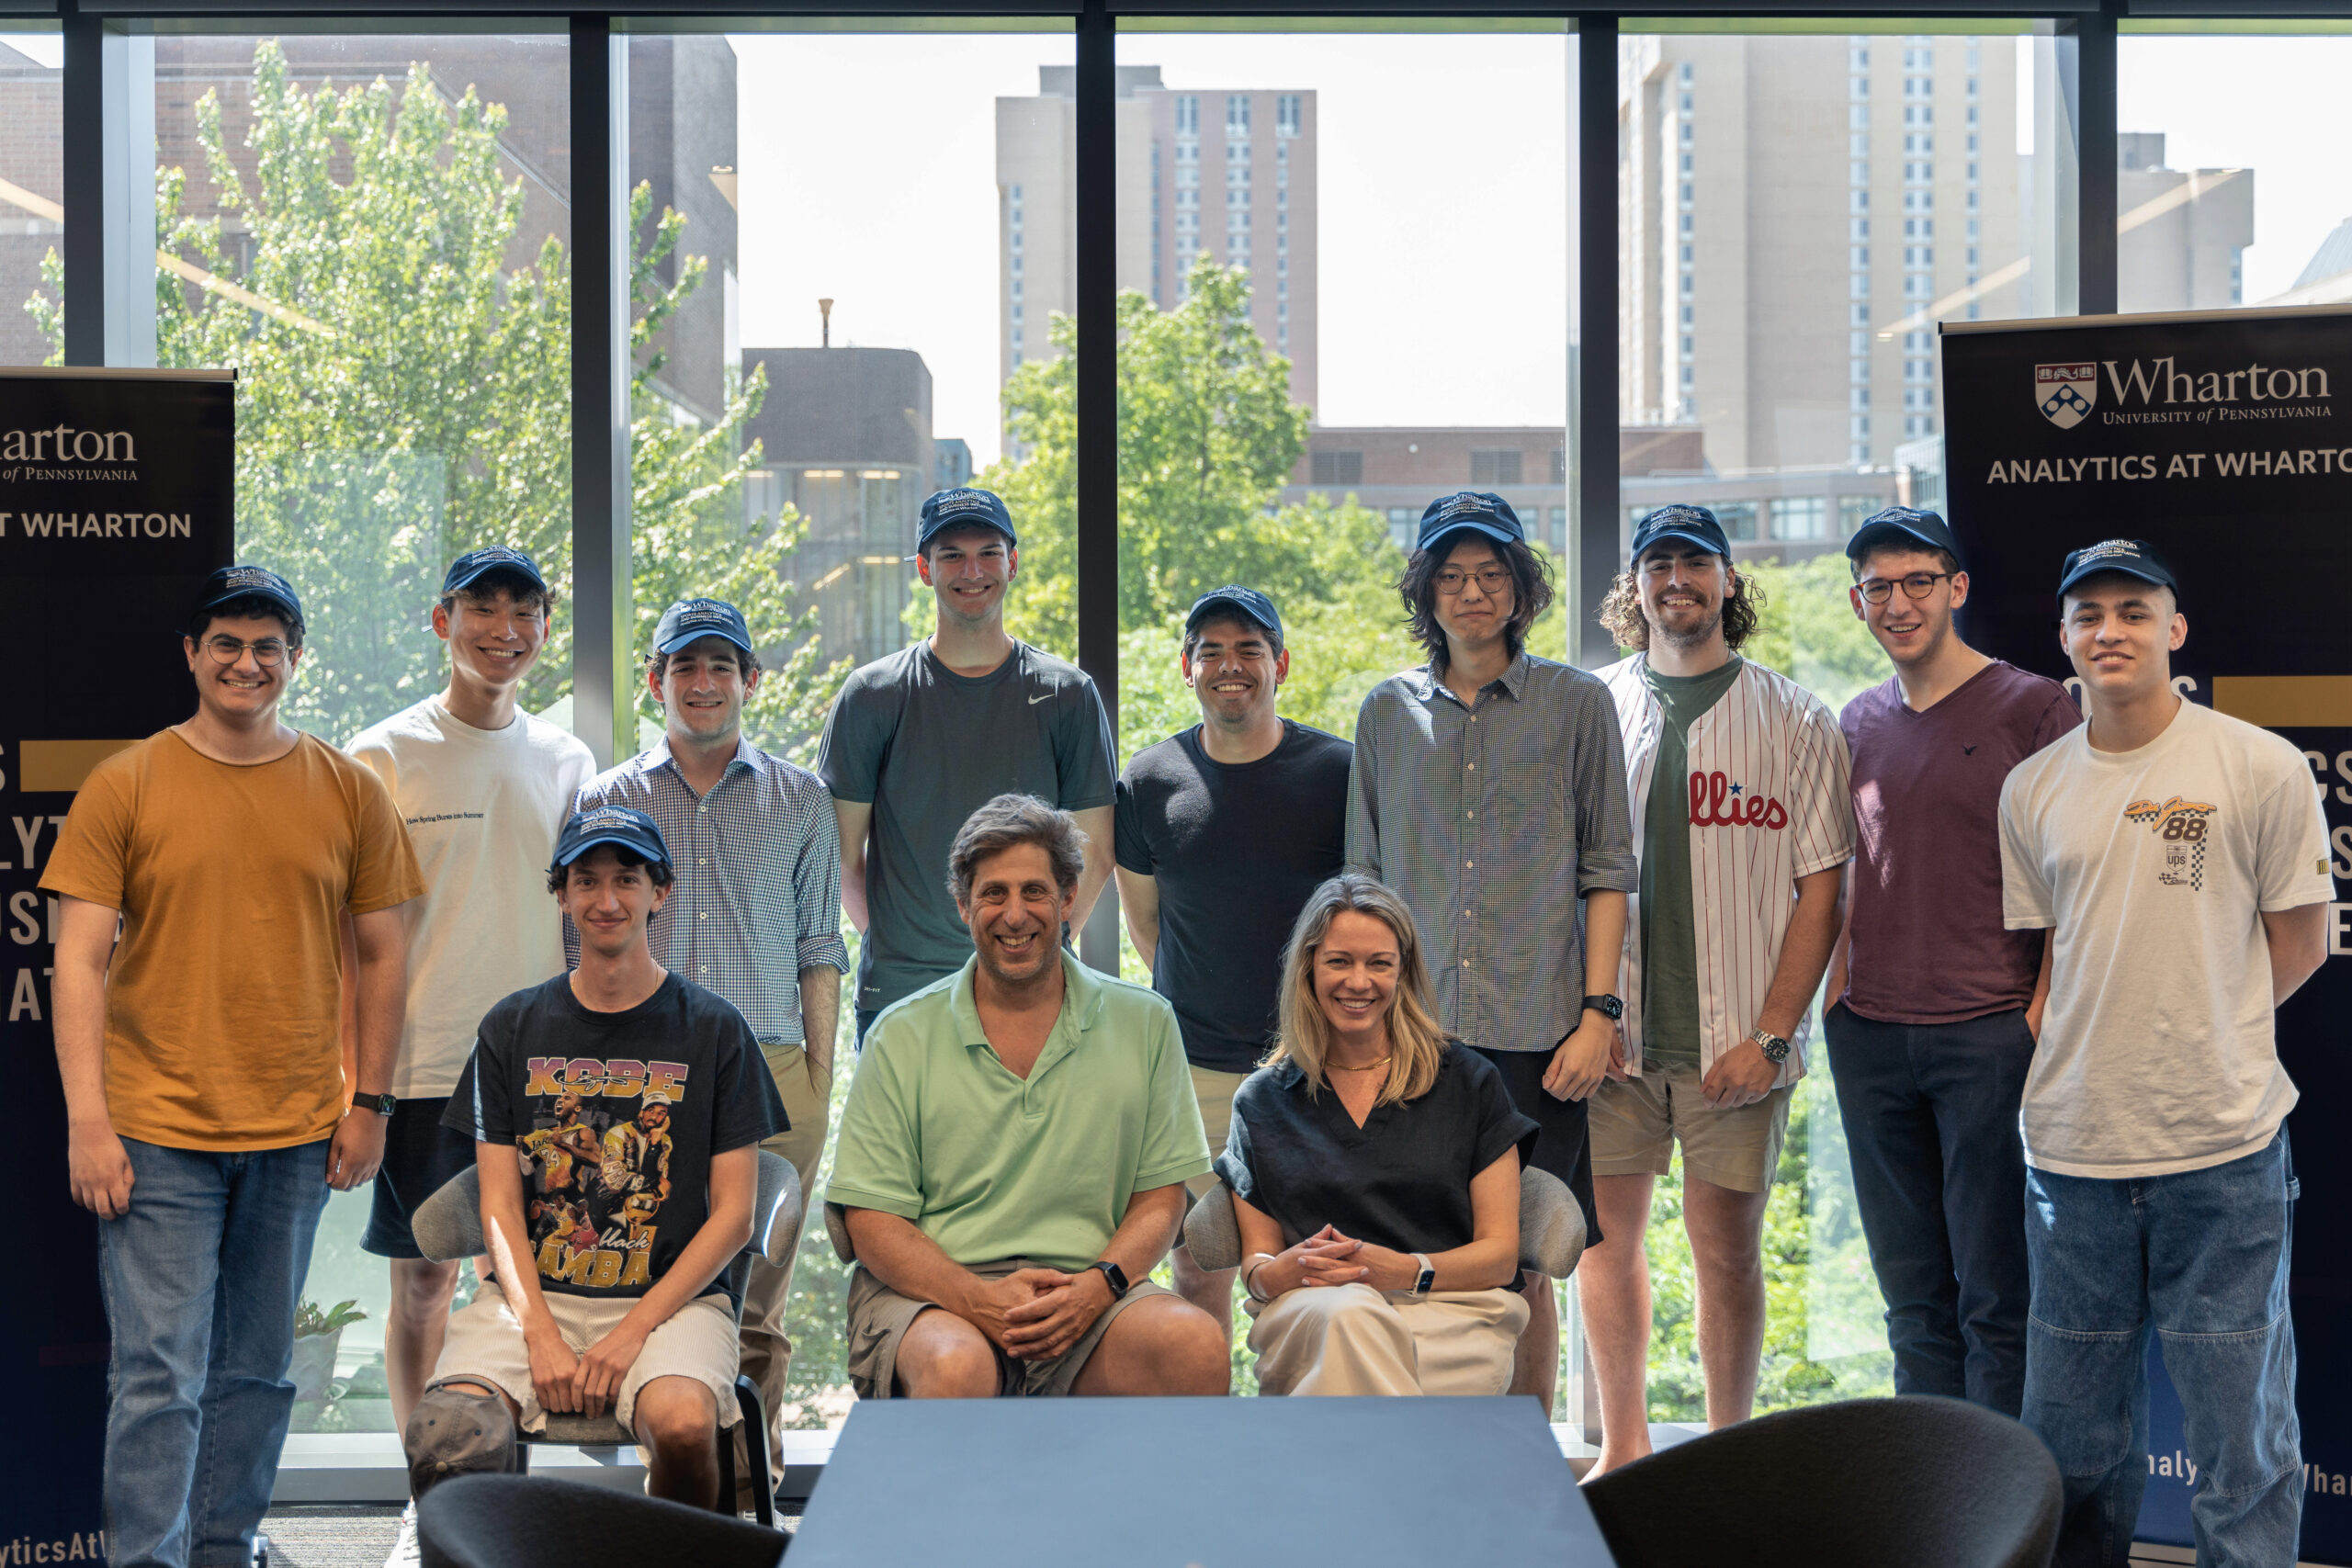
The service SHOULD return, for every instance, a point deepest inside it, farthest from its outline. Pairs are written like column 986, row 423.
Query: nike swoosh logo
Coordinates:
column 1039, row 698
column 1970, row 751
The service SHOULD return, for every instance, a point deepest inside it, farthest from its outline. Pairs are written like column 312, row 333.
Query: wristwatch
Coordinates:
column 1426, row 1280
column 1607, row 1006
column 381, row 1104
column 1114, row 1276
column 1775, row 1049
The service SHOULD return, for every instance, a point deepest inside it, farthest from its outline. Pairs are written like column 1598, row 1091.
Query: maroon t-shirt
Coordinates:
column 1929, row 946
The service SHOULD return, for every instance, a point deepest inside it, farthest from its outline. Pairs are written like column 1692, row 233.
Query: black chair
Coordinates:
column 1866, row 1483
column 447, row 1226
column 530, row 1521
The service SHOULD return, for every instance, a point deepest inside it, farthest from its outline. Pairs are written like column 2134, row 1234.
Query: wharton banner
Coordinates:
column 2225, row 440
column 115, row 503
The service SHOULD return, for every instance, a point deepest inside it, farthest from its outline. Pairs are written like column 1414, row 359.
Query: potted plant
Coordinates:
column 316, row 1335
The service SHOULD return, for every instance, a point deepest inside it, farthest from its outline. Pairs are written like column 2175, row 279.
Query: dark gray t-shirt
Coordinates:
column 926, row 748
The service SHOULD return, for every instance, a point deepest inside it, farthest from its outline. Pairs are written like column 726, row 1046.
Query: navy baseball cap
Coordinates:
column 1249, row 602
column 1480, row 511
column 1681, row 520
column 1898, row 527
column 688, row 619
column 965, row 508
column 618, row 825
column 2130, row 556
column 469, row 568
column 230, row 582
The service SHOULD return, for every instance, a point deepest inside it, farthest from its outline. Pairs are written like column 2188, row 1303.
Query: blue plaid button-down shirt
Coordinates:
column 758, row 896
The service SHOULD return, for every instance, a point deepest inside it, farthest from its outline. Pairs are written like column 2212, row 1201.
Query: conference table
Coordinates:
column 1196, row 1484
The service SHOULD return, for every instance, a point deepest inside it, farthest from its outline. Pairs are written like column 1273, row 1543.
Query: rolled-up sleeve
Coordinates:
column 817, row 889
column 1605, row 862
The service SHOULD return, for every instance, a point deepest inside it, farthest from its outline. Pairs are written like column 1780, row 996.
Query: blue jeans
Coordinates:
column 2202, row 1256
column 1931, row 1112
column 201, row 1277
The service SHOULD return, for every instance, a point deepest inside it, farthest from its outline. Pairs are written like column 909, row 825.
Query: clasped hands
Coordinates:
column 1034, row 1314
column 565, row 1381
column 1329, row 1258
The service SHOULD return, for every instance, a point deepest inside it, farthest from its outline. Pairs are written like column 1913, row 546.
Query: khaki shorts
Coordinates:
column 1637, row 1123
column 485, row 1344
column 879, row 1318
column 1214, row 1090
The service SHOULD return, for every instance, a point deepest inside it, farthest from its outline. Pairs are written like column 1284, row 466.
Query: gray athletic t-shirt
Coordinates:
column 926, row 748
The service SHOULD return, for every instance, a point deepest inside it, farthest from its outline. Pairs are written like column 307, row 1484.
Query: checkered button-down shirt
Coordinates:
column 1494, row 819
column 757, row 893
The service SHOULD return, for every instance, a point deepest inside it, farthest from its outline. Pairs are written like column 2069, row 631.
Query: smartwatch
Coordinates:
column 1775, row 1049
column 1426, row 1280
column 381, row 1104
column 1113, row 1275
column 1607, row 1006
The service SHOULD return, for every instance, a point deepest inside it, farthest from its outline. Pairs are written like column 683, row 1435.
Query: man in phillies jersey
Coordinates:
column 1932, row 1007
column 2180, row 860
column 1741, row 822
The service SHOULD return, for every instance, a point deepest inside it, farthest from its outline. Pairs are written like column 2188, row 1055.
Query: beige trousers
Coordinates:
column 808, row 1103
column 1339, row 1339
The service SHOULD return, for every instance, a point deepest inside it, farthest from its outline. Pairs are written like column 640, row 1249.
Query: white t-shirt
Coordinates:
column 484, row 808
column 2155, row 867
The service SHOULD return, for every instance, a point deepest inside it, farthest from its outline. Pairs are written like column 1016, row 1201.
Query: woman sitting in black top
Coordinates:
column 1374, row 1172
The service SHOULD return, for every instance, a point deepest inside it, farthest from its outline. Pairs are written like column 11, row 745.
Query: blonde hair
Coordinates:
column 1417, row 1045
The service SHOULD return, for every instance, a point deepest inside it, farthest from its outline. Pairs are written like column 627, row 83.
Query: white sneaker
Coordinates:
column 405, row 1553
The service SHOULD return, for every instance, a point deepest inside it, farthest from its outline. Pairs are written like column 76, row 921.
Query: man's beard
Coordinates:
column 1695, row 635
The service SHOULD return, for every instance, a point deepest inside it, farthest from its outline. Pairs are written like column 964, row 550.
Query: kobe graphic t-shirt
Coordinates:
column 616, row 1116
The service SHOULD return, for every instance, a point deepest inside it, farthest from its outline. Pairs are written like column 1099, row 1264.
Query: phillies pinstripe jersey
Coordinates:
column 1769, row 804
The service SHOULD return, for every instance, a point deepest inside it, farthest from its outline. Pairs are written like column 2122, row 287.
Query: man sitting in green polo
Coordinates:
column 1013, row 1155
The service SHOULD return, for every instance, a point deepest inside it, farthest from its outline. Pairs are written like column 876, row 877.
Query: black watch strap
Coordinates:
column 1114, row 1276
column 1606, row 1005
column 381, row 1104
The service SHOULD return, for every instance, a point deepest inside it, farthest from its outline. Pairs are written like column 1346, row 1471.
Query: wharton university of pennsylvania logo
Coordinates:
column 2064, row 394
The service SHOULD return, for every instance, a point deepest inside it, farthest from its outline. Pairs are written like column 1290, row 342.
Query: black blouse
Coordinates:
column 1401, row 1181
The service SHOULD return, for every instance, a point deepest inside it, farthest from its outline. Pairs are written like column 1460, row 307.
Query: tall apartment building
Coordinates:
column 1231, row 174
column 1797, row 213
column 2181, row 233
column 33, row 193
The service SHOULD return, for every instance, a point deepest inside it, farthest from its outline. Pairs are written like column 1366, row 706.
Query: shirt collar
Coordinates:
column 746, row 753
column 1423, row 678
column 1082, row 1001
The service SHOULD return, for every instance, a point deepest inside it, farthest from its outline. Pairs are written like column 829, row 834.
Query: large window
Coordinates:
column 375, row 231
column 2193, row 162
column 1344, row 281
column 32, row 192
column 1798, row 210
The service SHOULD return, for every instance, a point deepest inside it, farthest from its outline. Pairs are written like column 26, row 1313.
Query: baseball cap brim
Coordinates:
column 1494, row 531
column 1687, row 536
column 1873, row 535
column 2145, row 574
column 1215, row 602
column 565, row 855
column 692, row 635
column 459, row 582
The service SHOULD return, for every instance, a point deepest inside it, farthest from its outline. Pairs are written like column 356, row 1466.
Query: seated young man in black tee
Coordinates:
column 617, row 1113
column 1393, row 1156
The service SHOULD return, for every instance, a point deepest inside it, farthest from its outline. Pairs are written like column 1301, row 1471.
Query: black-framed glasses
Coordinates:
column 268, row 653
column 1915, row 585
column 1491, row 580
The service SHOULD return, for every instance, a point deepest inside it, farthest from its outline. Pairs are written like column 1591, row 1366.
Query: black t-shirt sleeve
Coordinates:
column 1233, row 1162
column 749, row 1109
column 1132, row 842
column 1083, row 752
column 857, row 732
column 1499, row 1124
column 483, row 1105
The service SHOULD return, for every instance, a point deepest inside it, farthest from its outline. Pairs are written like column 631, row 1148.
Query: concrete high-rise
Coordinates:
column 1231, row 174
column 1797, row 214
column 2181, row 234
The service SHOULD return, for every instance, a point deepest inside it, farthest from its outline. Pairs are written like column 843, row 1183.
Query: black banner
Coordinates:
column 116, row 499
column 2225, row 440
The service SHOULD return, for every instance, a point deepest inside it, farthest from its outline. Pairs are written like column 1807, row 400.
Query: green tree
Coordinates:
column 403, row 394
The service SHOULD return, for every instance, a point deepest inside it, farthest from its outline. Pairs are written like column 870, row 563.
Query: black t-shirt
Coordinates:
column 617, row 1115
column 1235, row 850
column 1401, row 1181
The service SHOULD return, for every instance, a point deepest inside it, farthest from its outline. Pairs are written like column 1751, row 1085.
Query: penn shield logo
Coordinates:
column 2065, row 393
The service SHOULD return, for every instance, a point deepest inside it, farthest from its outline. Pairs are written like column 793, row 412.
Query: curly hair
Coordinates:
column 1530, row 595
column 1620, row 612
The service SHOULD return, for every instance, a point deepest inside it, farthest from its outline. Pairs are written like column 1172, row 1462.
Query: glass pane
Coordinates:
column 375, row 231
column 32, row 189
column 1797, row 211
column 1344, row 277
column 2191, row 160
column 847, row 258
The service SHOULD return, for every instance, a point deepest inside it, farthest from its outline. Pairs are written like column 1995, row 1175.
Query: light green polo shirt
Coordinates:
column 939, row 1132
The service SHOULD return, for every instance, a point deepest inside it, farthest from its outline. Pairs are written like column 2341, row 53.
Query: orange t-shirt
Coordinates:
column 223, row 1003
